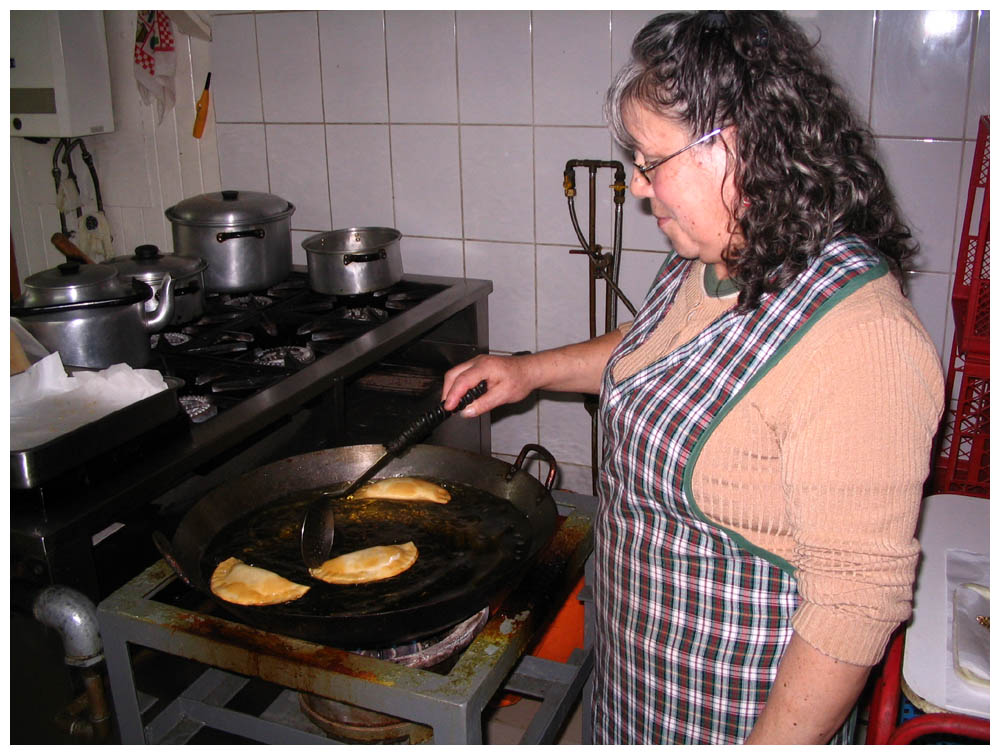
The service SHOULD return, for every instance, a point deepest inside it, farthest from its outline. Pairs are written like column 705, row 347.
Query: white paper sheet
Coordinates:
column 46, row 403
column 963, row 567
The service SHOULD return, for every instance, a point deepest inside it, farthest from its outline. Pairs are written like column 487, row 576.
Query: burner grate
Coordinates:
column 246, row 343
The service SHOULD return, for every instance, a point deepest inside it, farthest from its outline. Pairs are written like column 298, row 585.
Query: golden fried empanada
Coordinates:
column 237, row 582
column 404, row 489
column 367, row 565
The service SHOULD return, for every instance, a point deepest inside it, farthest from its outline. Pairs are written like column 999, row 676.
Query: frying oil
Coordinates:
column 466, row 546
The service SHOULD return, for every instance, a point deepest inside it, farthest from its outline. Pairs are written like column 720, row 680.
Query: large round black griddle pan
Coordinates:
column 471, row 550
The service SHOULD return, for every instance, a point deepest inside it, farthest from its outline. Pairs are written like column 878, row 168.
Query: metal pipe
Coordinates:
column 569, row 188
column 599, row 265
column 74, row 616
column 57, row 177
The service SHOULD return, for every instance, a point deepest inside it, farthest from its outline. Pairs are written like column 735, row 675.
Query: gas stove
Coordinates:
column 245, row 343
column 262, row 376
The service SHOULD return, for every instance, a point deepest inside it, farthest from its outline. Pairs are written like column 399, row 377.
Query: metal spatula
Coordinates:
column 316, row 535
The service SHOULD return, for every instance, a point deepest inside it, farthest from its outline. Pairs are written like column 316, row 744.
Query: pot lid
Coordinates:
column 72, row 282
column 150, row 265
column 229, row 208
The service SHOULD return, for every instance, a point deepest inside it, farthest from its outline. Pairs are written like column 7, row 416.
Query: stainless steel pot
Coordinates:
column 353, row 260
column 245, row 238
column 152, row 267
column 91, row 316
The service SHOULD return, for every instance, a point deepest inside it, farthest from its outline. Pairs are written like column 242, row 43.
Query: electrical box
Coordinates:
column 59, row 80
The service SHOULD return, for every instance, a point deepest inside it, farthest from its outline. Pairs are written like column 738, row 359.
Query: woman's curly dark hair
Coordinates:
column 803, row 160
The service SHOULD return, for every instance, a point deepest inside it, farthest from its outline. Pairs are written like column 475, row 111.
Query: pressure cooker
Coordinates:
column 245, row 238
column 91, row 316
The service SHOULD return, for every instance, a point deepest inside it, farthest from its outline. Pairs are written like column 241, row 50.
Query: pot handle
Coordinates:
column 141, row 291
column 257, row 233
column 369, row 257
column 163, row 546
column 543, row 452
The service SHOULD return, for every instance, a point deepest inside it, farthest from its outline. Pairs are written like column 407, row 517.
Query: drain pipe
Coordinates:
column 74, row 616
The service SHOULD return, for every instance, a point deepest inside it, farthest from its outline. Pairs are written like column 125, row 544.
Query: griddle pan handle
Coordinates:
column 544, row 453
column 163, row 546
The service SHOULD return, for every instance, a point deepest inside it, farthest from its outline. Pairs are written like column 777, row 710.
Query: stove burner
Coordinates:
column 343, row 333
column 403, row 300
column 224, row 347
column 198, row 408
column 210, row 377
column 250, row 301
column 268, row 326
column 363, row 314
column 353, row 724
column 237, row 336
column 432, row 650
column 218, row 319
column 242, row 383
column 285, row 356
column 174, row 339
column 287, row 287
column 316, row 307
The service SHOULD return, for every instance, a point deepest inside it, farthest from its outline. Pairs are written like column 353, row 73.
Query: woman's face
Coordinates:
column 691, row 194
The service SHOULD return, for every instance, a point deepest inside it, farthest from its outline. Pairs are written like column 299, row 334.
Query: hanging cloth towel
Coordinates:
column 155, row 60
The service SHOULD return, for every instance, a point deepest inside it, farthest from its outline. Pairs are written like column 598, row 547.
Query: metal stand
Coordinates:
column 451, row 704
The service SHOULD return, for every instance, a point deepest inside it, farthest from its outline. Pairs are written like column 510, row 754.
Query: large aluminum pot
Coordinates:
column 91, row 316
column 353, row 260
column 244, row 236
column 154, row 268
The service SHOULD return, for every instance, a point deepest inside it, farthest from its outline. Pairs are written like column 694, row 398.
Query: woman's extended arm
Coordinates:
column 810, row 698
column 576, row 368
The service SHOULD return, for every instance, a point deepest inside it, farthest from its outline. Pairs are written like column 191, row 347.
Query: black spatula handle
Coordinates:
column 425, row 424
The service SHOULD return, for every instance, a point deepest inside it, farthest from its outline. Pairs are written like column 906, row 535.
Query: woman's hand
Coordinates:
column 508, row 380
column 575, row 368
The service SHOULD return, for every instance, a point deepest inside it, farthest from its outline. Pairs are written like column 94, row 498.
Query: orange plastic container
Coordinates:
column 563, row 636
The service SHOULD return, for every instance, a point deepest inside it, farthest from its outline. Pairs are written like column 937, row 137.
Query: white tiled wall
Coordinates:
column 143, row 166
column 455, row 127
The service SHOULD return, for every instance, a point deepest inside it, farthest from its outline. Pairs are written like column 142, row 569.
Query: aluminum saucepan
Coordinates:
column 471, row 551
column 353, row 261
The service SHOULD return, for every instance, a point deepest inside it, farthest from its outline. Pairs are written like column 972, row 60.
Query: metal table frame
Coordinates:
column 451, row 704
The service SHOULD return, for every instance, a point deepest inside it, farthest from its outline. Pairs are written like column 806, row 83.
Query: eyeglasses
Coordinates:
column 649, row 167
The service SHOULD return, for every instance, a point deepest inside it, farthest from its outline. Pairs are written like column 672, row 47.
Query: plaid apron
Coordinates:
column 691, row 623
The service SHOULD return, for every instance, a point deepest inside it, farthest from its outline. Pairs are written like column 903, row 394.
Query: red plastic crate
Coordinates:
column 964, row 464
column 970, row 299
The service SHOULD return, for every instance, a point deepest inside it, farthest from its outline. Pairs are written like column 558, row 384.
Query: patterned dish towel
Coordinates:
column 155, row 60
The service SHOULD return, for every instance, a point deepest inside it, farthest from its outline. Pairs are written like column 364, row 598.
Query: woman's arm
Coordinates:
column 575, row 368
column 810, row 698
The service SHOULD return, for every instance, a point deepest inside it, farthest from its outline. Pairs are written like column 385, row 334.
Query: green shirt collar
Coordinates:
column 716, row 288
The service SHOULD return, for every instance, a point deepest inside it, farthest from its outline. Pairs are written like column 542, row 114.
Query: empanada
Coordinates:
column 237, row 582
column 367, row 565
column 404, row 489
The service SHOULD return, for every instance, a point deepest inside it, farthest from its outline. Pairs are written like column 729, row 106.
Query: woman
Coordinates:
column 768, row 415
